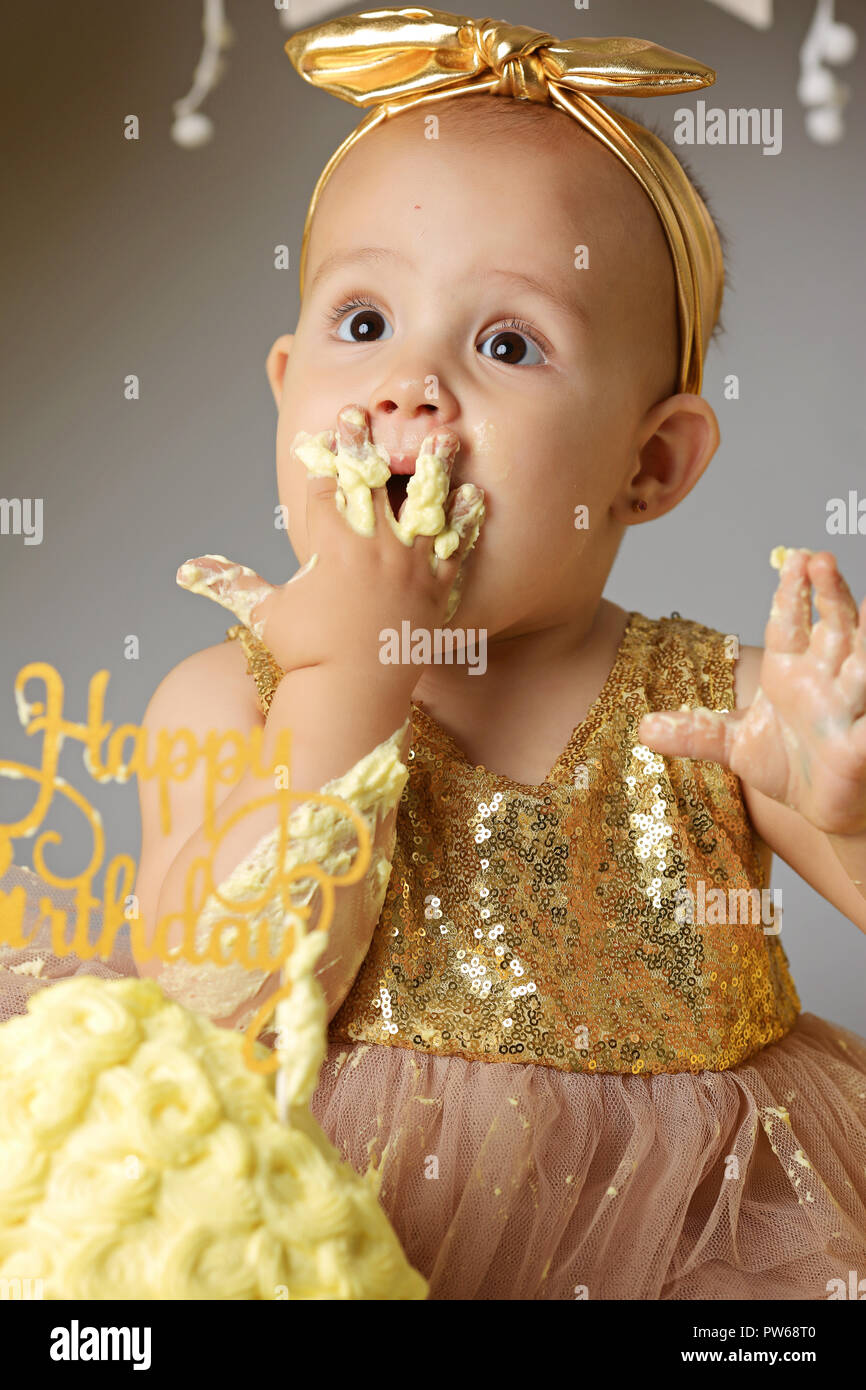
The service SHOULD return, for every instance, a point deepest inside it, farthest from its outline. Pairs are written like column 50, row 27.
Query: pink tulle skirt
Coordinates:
column 516, row 1181
column 512, row 1180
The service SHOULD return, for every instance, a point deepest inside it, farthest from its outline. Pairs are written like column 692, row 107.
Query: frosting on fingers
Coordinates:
column 780, row 553
column 423, row 513
column 427, row 510
column 356, row 472
column 466, row 513
column 222, row 587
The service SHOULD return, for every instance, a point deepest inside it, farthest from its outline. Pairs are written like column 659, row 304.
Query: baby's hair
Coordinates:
column 491, row 114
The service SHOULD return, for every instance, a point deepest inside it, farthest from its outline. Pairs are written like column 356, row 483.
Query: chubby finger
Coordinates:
column 317, row 453
column 464, row 516
column 833, row 598
column 349, row 455
column 852, row 674
column 371, row 465
column 789, row 627
column 353, row 431
column 423, row 512
column 837, row 611
column 235, row 587
column 361, row 467
column 694, row 733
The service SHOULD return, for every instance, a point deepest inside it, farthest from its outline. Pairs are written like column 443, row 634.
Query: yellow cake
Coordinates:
column 140, row 1158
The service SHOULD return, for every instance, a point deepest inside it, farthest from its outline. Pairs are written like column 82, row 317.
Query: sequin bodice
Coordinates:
column 609, row 920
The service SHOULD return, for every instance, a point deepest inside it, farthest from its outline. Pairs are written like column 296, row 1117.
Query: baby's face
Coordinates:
column 476, row 312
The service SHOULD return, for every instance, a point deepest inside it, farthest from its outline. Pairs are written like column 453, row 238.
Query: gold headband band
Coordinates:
column 396, row 59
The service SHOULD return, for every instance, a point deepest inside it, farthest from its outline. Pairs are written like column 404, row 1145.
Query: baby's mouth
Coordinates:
column 402, row 467
column 397, row 487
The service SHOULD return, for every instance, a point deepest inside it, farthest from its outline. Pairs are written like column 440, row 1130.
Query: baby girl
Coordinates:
column 580, row 1089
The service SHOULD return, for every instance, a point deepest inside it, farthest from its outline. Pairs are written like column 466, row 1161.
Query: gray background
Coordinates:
column 143, row 257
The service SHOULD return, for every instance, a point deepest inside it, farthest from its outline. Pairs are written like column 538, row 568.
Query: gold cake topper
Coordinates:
column 252, row 948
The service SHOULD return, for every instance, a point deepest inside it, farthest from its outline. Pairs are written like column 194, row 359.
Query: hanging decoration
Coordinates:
column 757, row 12
column 192, row 127
column 819, row 90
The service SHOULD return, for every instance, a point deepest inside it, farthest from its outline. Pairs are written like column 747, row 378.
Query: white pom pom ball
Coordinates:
column 824, row 124
column 192, row 130
column 816, row 87
column 840, row 43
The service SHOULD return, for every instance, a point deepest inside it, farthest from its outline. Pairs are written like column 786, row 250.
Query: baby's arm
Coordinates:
column 332, row 730
column 207, row 690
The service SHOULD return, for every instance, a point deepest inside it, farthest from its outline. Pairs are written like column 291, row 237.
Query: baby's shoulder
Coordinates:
column 684, row 659
column 209, row 689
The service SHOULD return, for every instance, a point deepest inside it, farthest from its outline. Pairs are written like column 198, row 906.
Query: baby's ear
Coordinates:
column 275, row 365
column 675, row 441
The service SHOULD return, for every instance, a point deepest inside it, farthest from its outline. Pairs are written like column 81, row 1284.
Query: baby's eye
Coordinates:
column 512, row 344
column 509, row 343
column 367, row 325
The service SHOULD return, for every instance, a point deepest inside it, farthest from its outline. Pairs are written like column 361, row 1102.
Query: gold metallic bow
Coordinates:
column 394, row 59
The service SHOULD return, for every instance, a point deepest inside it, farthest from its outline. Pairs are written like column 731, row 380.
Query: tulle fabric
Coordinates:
column 517, row 1181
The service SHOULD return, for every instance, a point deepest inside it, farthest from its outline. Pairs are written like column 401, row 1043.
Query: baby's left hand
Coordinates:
column 802, row 740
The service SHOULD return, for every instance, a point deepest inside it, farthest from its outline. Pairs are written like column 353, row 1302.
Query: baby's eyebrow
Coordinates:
column 370, row 254
column 375, row 254
column 562, row 302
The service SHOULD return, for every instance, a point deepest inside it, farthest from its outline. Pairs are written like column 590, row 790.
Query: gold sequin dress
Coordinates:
column 574, row 1049
column 571, row 1089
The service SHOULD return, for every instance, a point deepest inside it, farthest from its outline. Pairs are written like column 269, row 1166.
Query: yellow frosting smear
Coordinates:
column 140, row 1158
column 198, row 579
column 426, row 492
column 779, row 554
column 356, row 473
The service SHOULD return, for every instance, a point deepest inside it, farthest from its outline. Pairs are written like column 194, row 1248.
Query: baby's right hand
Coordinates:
column 354, row 586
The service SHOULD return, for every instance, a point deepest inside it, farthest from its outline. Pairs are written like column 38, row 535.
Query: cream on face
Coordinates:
column 424, row 511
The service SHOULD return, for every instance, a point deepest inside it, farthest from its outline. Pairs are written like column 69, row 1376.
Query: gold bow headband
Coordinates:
column 395, row 59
